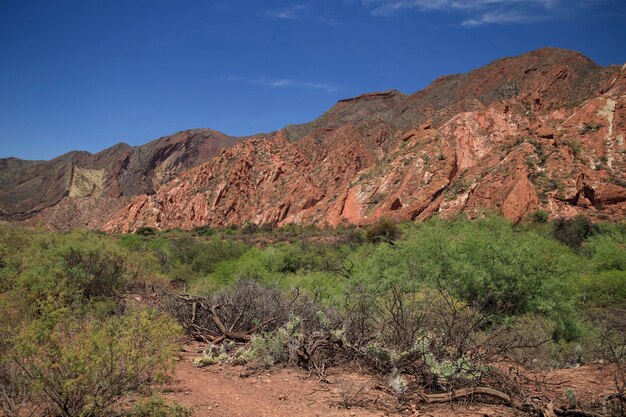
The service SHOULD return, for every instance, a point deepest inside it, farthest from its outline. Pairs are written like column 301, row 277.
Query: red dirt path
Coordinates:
column 226, row 390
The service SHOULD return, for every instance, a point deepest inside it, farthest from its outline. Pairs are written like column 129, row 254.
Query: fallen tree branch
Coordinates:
column 576, row 413
column 236, row 336
column 546, row 410
column 465, row 392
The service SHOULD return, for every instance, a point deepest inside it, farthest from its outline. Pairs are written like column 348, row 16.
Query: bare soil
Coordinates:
column 227, row 390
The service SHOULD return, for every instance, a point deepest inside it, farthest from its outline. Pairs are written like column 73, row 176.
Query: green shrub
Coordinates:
column 267, row 227
column 606, row 252
column 203, row 231
column 284, row 258
column 132, row 241
column 95, row 273
column 383, row 231
column 84, row 365
column 249, row 228
column 574, row 231
column 156, row 406
column 603, row 289
column 539, row 216
column 575, row 146
column 201, row 256
column 146, row 231
column 486, row 264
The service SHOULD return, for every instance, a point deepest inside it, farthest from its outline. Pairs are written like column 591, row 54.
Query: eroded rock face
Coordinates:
column 541, row 131
column 544, row 130
column 81, row 189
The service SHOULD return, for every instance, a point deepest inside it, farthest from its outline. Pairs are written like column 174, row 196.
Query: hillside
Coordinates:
column 541, row 131
column 82, row 189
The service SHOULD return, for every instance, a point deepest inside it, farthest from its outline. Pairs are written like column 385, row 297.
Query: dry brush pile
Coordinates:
column 426, row 347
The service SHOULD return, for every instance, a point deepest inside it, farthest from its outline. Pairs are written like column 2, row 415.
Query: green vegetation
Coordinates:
column 589, row 127
column 64, row 332
column 155, row 406
column 438, row 291
column 575, row 147
column 539, row 216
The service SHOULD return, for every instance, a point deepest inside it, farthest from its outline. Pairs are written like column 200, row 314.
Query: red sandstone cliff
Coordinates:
column 544, row 130
column 83, row 189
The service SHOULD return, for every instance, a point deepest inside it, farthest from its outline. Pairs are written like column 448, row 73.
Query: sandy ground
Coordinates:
column 225, row 390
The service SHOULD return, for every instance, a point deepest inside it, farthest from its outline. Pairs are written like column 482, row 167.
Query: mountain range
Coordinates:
column 541, row 131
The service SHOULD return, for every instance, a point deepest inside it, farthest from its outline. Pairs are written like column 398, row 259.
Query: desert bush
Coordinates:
column 146, row 231
column 250, row 228
column 132, row 241
column 353, row 237
column 603, row 289
column 402, row 315
column 451, row 343
column 351, row 395
column 16, row 390
column 248, row 304
column 284, row 258
column 202, row 231
column 361, row 315
column 267, row 227
column 606, row 252
column 539, row 216
column 589, row 127
column 247, row 307
column 95, row 274
column 527, row 341
column 485, row 264
column 277, row 347
column 398, row 325
column 155, row 406
column 574, row 231
column 84, row 365
column 383, row 231
column 231, row 229
column 272, row 347
column 201, row 256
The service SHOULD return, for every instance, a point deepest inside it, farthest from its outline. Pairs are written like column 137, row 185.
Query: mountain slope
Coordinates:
column 544, row 130
column 81, row 189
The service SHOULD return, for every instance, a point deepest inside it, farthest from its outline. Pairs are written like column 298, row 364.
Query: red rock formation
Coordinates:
column 81, row 189
column 544, row 130
column 541, row 131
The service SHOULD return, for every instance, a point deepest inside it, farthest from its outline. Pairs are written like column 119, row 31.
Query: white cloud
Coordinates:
column 285, row 83
column 477, row 12
column 294, row 11
column 382, row 7
column 301, row 11
column 501, row 18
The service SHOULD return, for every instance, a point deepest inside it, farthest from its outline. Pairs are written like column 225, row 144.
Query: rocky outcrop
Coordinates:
column 82, row 189
column 540, row 131
column 544, row 130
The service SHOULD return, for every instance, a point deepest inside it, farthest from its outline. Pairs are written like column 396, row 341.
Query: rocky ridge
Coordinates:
column 541, row 131
column 83, row 189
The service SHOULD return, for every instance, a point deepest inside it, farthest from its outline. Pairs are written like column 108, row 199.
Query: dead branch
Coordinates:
column 546, row 410
column 576, row 413
column 236, row 336
column 466, row 392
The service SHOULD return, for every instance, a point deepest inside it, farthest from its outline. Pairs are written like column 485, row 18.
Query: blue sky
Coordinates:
column 86, row 74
